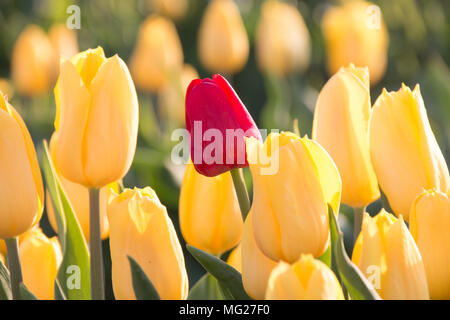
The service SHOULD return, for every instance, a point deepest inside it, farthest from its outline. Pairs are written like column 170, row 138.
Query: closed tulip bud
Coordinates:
column 158, row 53
column 141, row 229
column 235, row 258
column 96, row 119
column 307, row 279
column 33, row 62
column 210, row 217
column 21, row 184
column 40, row 259
column 214, row 110
column 222, row 41
column 430, row 225
column 355, row 33
column 64, row 40
column 174, row 9
column 386, row 253
column 282, row 39
column 404, row 151
column 341, row 126
column 256, row 267
column 171, row 96
column 290, row 203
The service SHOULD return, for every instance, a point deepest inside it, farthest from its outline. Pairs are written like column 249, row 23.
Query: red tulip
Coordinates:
column 217, row 121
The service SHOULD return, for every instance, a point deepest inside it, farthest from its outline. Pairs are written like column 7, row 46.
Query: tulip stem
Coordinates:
column 12, row 246
column 241, row 191
column 358, row 214
column 95, row 245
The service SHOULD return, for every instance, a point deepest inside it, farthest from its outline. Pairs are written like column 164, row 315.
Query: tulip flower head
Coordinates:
column 290, row 205
column 430, row 225
column 21, row 186
column 96, row 119
column 386, row 253
column 306, row 279
column 235, row 258
column 404, row 151
column 341, row 126
column 217, row 121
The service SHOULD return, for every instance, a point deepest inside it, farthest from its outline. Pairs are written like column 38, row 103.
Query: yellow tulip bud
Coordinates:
column 141, row 229
column 175, row 9
column 95, row 133
column 235, row 258
column 430, row 225
column 158, row 53
column 290, row 203
column 210, row 216
column 341, row 126
column 404, row 151
column 40, row 259
column 64, row 40
column 33, row 62
column 355, row 33
column 307, row 279
column 282, row 39
column 21, row 184
column 387, row 254
column 172, row 95
column 223, row 43
column 256, row 267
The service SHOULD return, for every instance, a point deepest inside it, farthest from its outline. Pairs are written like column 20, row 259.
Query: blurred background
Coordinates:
column 277, row 55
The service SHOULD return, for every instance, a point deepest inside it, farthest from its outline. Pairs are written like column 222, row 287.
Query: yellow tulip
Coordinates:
column 223, row 43
column 256, row 267
column 210, row 217
column 40, row 259
column 64, row 40
column 78, row 197
column 430, row 225
column 355, row 33
column 290, row 203
column 306, row 279
column 341, row 126
column 171, row 96
column 21, row 186
column 95, row 133
column 175, row 9
column 282, row 39
column 386, row 253
column 235, row 258
column 158, row 54
column 33, row 62
column 404, row 151
column 141, row 229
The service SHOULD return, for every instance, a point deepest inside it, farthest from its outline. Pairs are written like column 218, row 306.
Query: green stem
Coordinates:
column 358, row 214
column 241, row 191
column 95, row 245
column 12, row 246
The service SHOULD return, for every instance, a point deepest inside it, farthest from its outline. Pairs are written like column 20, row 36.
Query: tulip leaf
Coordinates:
column 59, row 293
column 74, row 272
column 326, row 256
column 206, row 288
column 142, row 285
column 354, row 281
column 5, row 283
column 230, row 280
column 26, row 294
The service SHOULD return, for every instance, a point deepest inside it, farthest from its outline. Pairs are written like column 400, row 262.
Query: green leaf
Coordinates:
column 230, row 280
column 26, row 294
column 5, row 283
column 206, row 288
column 59, row 293
column 74, row 270
column 143, row 287
column 326, row 256
column 354, row 281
